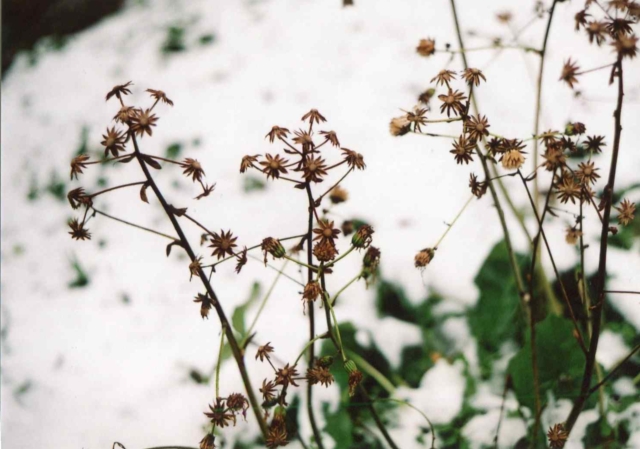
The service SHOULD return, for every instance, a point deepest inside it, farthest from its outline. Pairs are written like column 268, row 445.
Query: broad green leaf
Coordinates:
column 338, row 426
column 392, row 301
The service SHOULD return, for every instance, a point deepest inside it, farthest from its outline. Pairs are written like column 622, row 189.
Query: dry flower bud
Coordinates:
column 424, row 257
column 363, row 237
column 557, row 436
column 274, row 247
column 426, row 47
column 572, row 235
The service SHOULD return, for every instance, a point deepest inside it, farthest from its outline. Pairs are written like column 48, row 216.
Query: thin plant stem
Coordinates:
column 306, row 346
column 346, row 253
column 250, row 249
column 128, row 223
column 600, row 281
column 595, row 69
column 163, row 159
column 233, row 343
column 504, row 399
column 335, row 324
column 302, row 264
column 277, row 270
column 377, row 419
column 333, row 186
column 333, row 300
column 219, row 362
column 614, row 370
column 408, row 404
column 627, row 292
column 264, row 303
column 450, row 225
column 93, row 195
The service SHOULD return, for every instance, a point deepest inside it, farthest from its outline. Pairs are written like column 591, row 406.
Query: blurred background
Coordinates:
column 100, row 339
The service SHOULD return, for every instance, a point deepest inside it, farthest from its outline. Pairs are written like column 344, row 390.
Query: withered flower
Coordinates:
column 277, row 133
column 223, row 243
column 627, row 46
column 504, row 17
column 311, row 291
column 220, row 414
column 160, row 96
column 626, row 212
column 273, row 166
column 557, row 436
column 143, row 121
column 313, row 115
column 247, row 162
column 192, row 168
column 206, row 190
column 399, row 126
column 581, row 19
column 354, row 160
column 513, row 160
column 77, row 164
column 78, row 197
column 195, row 267
column 568, row 144
column 597, row 31
column 319, row 375
column 332, row 137
column 338, row 195
column 241, row 258
column 443, row 77
column 236, row 402
column 363, row 236
column 473, row 76
column 78, row 231
column 572, row 235
column 424, row 257
column 426, row 96
column 554, row 157
column 619, row 27
column 264, row 351
column 569, row 72
column 426, row 47
column 594, row 143
column 355, row 376
column 549, row 137
column 417, row 117
column 276, row 437
column 119, row 90
column 478, row 189
column 125, row 114
column 326, row 232
column 286, row 376
column 347, row 227
column 208, row 442
column 268, row 390
column 463, row 150
column 587, row 173
column 568, row 189
column 325, row 251
column 314, row 169
column 495, row 146
column 575, row 129
column 477, row 127
column 452, row 102
column 274, row 247
column 113, row 141
column 205, row 304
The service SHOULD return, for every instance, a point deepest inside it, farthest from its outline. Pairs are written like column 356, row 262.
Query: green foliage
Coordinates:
column 626, row 236
column 253, row 184
column 57, row 187
column 174, row 41
column 82, row 279
column 392, row 301
column 600, row 434
column 291, row 417
column 560, row 362
column 207, row 39
column 238, row 317
column 173, row 151
column 338, row 426
column 497, row 317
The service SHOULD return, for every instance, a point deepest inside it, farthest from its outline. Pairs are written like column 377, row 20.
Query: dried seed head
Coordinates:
column 325, row 251
column 277, row 133
column 626, row 212
column 160, row 96
column 192, row 168
column 354, row 160
column 220, row 415
column 241, row 259
column 268, row 390
column 426, row 96
column 452, row 102
column 575, row 129
column 264, row 351
column 363, row 237
column 195, row 267
column 572, row 235
column 223, row 243
column 478, row 189
column 568, row 189
column 314, row 169
column 594, row 143
column 205, row 304
column 78, row 163
column 311, row 291
column 581, row 19
column 119, row 90
column 286, row 376
column 627, row 46
column 142, row 122
column 208, row 442
column 557, row 436
column 326, row 232
column 399, row 126
column 513, row 160
column 273, row 166
column 78, row 231
column 569, row 73
column 113, row 141
column 417, row 117
column 237, row 402
column 313, row 115
column 331, row 137
column 476, row 127
column 597, row 32
column 443, row 77
column 424, row 257
column 319, row 375
column 587, row 173
column 247, row 162
column 125, row 114
column 77, row 197
column 426, row 47
column 274, row 247
column 338, row 195
column 554, row 157
column 463, row 149
column 473, row 76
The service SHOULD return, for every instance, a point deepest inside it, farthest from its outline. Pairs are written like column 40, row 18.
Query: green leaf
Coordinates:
column 338, row 426
column 560, row 362
column 392, row 301
column 81, row 280
column 57, row 187
column 414, row 362
column 253, row 184
column 173, row 151
column 291, row 417
column 174, row 42
column 237, row 319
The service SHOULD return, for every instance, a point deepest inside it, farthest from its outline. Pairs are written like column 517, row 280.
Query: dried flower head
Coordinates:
column 569, row 73
column 313, row 115
column 452, row 102
column 319, row 375
column 160, row 96
column 268, row 390
column 78, row 231
column 276, row 437
column 338, row 195
column 264, row 351
column 286, row 376
column 208, row 442
column 247, row 162
column 113, row 141
column 331, row 137
column 477, row 127
column 513, row 160
column 78, row 163
column 426, row 47
column 192, row 168
column 326, row 232
column 354, row 160
column 236, row 402
column 557, row 436
column 125, row 114
column 417, row 117
column 627, row 46
column 277, row 133
column 618, row 27
column 311, row 291
column 572, row 235
column 303, row 137
column 626, row 212
column 399, row 126
column 581, row 19
column 426, row 96
column 568, row 189
column 478, row 189
column 575, row 129
column 554, row 157
column 363, row 236
column 220, row 415
column 205, row 304
column 77, row 197
column 597, row 31
column 587, row 173
column 274, row 247
column 223, row 243
column 443, row 77
column 594, row 143
column 424, row 257
column 463, row 149
column 119, row 90
column 241, row 259
column 195, row 267
column 473, row 76
column 273, row 166
column 325, row 251
column 142, row 122
column 314, row 169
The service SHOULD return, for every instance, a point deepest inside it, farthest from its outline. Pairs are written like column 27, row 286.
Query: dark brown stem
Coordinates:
column 628, row 292
column 599, row 283
column 613, row 371
column 93, row 195
column 507, row 381
column 233, row 343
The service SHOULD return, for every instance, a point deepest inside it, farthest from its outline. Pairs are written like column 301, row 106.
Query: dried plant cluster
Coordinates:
column 576, row 187
column 564, row 178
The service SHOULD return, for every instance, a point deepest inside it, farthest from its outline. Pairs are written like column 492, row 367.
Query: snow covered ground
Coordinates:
column 87, row 366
